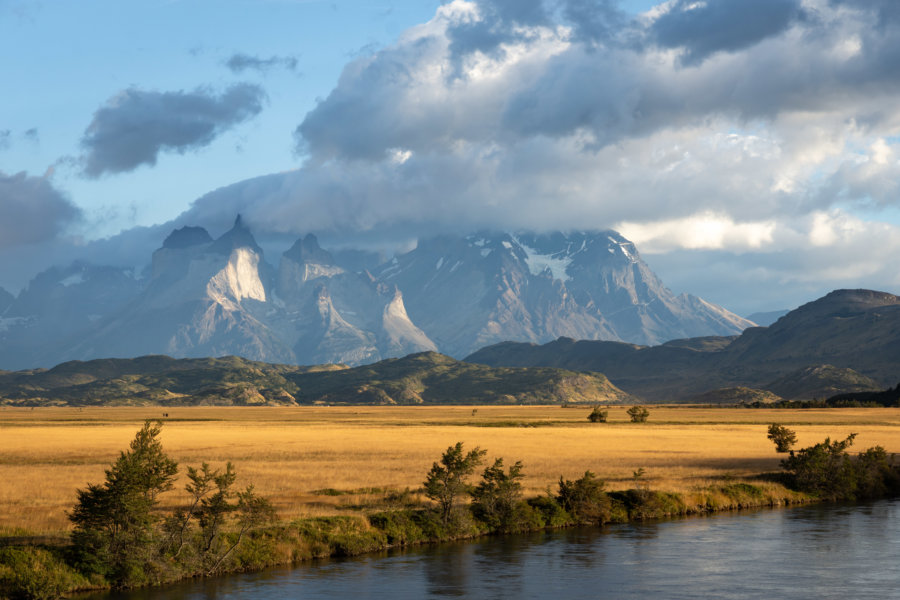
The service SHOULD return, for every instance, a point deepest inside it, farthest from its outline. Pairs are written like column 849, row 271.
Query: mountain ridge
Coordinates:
column 855, row 333
column 422, row 378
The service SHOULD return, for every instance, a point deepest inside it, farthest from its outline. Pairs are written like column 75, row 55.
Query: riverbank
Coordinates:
column 42, row 571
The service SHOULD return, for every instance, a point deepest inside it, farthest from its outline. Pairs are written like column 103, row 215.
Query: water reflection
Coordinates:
column 810, row 552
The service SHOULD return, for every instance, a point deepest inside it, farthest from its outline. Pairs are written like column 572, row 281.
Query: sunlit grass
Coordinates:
column 289, row 453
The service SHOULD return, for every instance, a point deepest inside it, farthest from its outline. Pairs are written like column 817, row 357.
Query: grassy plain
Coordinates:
column 359, row 454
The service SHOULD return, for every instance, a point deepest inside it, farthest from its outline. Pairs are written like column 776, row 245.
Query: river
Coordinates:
column 801, row 552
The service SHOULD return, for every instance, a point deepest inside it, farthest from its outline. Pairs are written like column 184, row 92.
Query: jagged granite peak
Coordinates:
column 302, row 263
column 307, row 250
column 238, row 236
column 186, row 237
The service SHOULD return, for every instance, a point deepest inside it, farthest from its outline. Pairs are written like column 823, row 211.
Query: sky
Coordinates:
column 750, row 148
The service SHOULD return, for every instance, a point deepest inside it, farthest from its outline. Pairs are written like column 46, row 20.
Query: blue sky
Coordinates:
column 746, row 146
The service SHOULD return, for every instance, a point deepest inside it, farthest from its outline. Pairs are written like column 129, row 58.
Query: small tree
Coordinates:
column 598, row 415
column 496, row 496
column 783, row 437
column 638, row 414
column 114, row 521
column 445, row 482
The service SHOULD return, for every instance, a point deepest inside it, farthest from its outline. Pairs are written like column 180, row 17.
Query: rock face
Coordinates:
column 213, row 297
column 482, row 289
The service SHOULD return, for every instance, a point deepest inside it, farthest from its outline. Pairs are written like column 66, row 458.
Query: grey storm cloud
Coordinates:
column 886, row 11
column 595, row 20
column 238, row 63
column 32, row 210
column 499, row 18
column 135, row 126
column 704, row 28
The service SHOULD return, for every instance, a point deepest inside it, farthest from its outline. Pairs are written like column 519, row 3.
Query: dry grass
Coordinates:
column 46, row 454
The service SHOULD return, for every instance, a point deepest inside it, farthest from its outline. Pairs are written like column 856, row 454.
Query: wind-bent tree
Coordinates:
column 445, row 482
column 783, row 437
column 114, row 521
column 638, row 414
column 496, row 496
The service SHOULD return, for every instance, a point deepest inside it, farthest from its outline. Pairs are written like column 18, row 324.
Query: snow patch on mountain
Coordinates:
column 540, row 263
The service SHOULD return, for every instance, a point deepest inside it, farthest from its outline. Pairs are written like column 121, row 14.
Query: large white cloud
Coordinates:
column 731, row 138
column 688, row 130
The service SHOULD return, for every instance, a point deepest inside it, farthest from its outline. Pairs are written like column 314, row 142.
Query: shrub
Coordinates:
column 585, row 499
column 638, row 414
column 827, row 470
column 36, row 574
column 598, row 415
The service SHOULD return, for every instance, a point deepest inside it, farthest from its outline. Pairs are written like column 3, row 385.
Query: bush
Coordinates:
column 36, row 574
column 550, row 511
column 585, row 499
column 638, row 414
column 598, row 415
column 828, row 471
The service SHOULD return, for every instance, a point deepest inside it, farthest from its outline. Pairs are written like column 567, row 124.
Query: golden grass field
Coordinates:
column 289, row 453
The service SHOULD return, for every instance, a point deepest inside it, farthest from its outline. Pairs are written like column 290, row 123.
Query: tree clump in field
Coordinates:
column 638, row 414
column 598, row 415
column 783, row 438
column 120, row 536
column 829, row 471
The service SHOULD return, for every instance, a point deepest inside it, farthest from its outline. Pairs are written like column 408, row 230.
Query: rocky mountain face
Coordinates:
column 485, row 288
column 212, row 297
column 847, row 341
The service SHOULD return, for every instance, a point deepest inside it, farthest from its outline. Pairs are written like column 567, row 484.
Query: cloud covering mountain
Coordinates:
column 742, row 144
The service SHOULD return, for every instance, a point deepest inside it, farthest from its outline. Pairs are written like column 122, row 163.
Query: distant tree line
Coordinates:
column 886, row 398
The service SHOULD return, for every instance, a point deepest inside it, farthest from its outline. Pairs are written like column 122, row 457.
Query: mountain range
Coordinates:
column 203, row 296
column 846, row 341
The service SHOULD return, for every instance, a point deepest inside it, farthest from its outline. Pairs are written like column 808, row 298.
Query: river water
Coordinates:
column 803, row 552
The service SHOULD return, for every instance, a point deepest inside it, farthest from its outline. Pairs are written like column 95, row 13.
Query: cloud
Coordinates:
column 238, row 63
column 769, row 118
column 32, row 210
column 701, row 29
column 4, row 138
column 741, row 135
column 808, row 258
column 135, row 126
